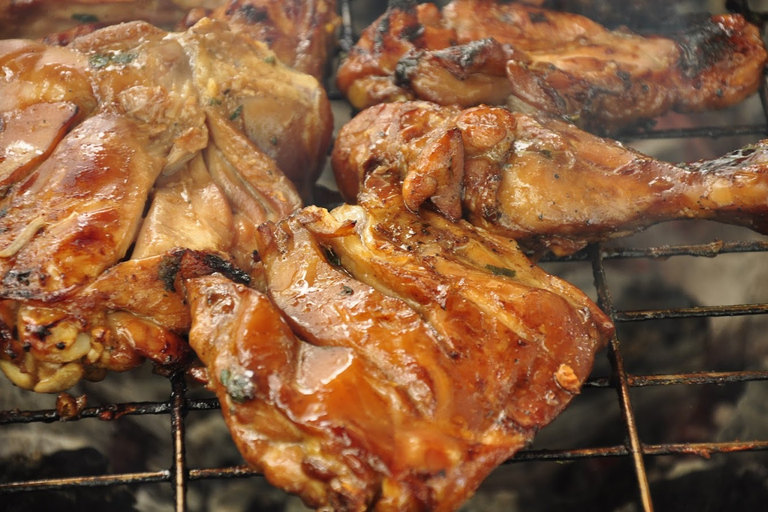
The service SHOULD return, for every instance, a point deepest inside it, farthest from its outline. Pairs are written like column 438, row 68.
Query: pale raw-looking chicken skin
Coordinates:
column 541, row 181
column 143, row 169
column 395, row 359
column 484, row 52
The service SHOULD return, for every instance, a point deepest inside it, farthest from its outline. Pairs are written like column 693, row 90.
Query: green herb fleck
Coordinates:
column 346, row 290
column 238, row 385
column 85, row 17
column 332, row 257
column 98, row 60
column 123, row 58
column 270, row 59
column 273, row 140
column 236, row 113
column 501, row 271
column 214, row 101
column 547, row 153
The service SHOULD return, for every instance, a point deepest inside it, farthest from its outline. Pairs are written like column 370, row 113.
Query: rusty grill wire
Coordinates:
column 178, row 474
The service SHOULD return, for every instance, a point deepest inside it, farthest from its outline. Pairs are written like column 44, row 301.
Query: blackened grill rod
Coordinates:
column 700, row 449
column 716, row 378
column 698, row 311
column 622, row 381
column 179, row 469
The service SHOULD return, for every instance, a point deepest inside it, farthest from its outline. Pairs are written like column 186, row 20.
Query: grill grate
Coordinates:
column 179, row 474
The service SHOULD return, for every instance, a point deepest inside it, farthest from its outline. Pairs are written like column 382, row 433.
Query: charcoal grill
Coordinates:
column 179, row 474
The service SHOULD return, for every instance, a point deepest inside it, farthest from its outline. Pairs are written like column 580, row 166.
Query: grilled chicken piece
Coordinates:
column 133, row 172
column 285, row 113
column 398, row 372
column 134, row 310
column 542, row 181
column 483, row 52
column 302, row 34
column 32, row 19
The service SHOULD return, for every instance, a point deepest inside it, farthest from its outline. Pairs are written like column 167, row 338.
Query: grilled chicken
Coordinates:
column 32, row 19
column 302, row 34
column 541, row 181
column 395, row 360
column 144, row 170
column 483, row 52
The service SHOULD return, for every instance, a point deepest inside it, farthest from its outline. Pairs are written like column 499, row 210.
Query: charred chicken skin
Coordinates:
column 394, row 359
column 541, row 181
column 483, row 52
column 128, row 161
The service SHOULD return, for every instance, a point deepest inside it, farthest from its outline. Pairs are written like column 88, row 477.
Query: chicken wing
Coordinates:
column 531, row 59
column 395, row 359
column 541, row 181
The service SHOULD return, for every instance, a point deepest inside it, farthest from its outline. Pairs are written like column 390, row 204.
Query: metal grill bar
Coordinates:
column 178, row 472
column 710, row 132
column 621, row 379
column 179, row 475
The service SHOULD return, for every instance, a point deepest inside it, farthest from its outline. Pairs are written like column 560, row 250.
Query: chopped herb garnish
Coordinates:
column 273, row 140
column 214, row 101
column 270, row 59
column 547, row 153
column 236, row 113
column 85, row 17
column 332, row 257
column 123, row 58
column 501, row 271
column 238, row 385
column 98, row 60
column 346, row 290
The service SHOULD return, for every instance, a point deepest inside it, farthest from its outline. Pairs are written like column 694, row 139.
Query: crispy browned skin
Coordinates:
column 483, row 52
column 400, row 375
column 544, row 182
column 302, row 34
column 125, row 151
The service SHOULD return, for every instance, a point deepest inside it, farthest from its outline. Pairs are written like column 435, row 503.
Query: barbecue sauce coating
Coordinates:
column 484, row 52
column 395, row 360
column 541, row 181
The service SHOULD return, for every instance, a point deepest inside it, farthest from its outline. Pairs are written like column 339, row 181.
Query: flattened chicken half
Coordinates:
column 136, row 175
column 543, row 182
column 395, row 360
column 475, row 52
